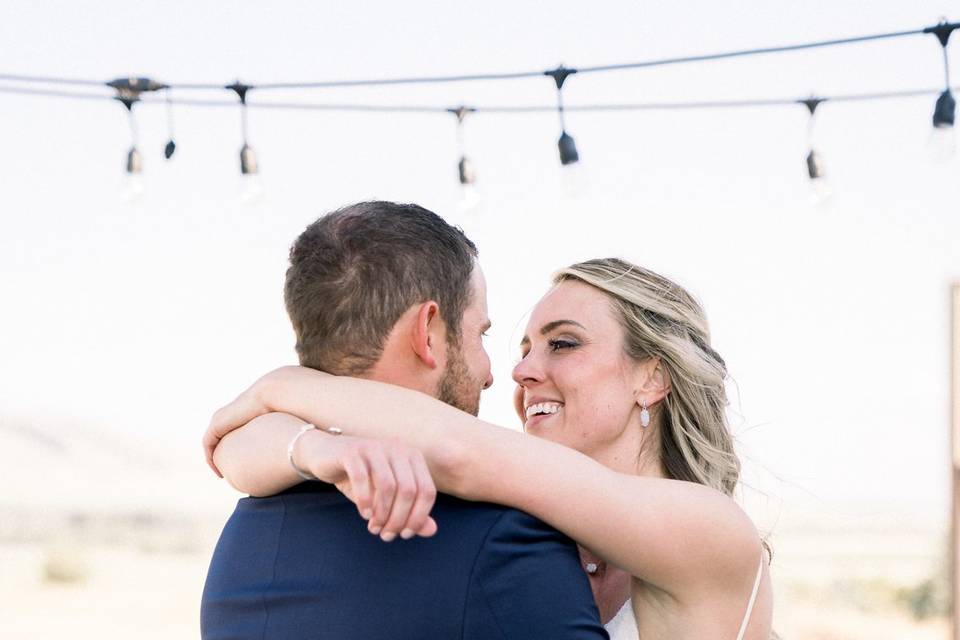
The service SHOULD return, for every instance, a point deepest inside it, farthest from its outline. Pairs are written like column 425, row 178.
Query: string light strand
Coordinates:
column 939, row 29
column 490, row 109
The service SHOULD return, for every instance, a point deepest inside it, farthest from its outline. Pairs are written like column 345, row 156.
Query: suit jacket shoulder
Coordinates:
column 301, row 564
column 528, row 582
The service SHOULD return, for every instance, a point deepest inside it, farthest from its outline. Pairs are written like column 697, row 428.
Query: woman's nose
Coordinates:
column 528, row 370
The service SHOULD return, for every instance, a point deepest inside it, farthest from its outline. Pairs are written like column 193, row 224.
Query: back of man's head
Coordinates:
column 355, row 271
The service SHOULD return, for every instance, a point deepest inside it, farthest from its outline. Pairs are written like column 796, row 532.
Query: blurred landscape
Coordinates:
column 101, row 535
column 105, row 536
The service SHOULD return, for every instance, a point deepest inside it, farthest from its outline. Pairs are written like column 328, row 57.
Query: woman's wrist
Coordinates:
column 294, row 455
column 316, row 453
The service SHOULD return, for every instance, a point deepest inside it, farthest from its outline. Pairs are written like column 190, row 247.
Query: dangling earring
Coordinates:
column 644, row 414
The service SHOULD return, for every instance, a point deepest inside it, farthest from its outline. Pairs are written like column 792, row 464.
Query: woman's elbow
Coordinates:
column 238, row 482
column 237, row 478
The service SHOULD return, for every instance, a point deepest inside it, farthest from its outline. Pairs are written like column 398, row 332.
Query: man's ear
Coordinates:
column 653, row 382
column 427, row 330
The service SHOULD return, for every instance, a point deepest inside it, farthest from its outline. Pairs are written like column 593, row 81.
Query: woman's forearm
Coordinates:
column 253, row 458
column 460, row 449
column 663, row 531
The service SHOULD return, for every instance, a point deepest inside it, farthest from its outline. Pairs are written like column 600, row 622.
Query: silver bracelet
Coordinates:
column 306, row 475
column 300, row 472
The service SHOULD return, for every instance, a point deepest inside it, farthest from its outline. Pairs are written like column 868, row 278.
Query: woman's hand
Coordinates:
column 250, row 404
column 389, row 482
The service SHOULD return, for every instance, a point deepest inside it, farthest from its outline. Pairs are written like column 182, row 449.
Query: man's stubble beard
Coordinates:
column 456, row 387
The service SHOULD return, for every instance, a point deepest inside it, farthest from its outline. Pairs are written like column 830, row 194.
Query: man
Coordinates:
column 392, row 293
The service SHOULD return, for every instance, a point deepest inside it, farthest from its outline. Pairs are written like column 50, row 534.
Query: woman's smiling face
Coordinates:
column 575, row 383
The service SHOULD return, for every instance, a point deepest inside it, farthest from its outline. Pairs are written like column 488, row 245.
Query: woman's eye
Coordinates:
column 558, row 344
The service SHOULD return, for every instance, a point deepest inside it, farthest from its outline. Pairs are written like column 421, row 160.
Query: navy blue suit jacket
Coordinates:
column 301, row 564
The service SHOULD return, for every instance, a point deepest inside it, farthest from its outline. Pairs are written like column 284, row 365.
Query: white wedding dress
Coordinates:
column 623, row 626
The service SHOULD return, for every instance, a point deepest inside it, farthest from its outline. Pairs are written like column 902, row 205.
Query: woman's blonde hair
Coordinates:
column 661, row 320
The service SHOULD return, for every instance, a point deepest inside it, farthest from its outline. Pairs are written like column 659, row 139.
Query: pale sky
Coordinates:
column 833, row 319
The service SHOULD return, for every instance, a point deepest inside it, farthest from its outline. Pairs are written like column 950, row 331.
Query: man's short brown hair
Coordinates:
column 355, row 271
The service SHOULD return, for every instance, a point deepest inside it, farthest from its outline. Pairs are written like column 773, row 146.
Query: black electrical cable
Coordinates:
column 9, row 77
column 750, row 52
column 427, row 109
column 944, row 26
column 54, row 93
column 327, row 84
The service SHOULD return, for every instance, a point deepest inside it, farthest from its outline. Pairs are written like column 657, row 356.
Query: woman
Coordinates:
column 618, row 369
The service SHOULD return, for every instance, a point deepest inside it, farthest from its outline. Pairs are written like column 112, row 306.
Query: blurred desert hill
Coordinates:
column 66, row 474
column 103, row 533
column 114, row 532
column 68, row 479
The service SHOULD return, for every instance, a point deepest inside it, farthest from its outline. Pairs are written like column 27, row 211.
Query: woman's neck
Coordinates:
column 635, row 452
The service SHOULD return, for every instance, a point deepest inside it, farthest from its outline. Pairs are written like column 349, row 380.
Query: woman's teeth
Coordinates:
column 543, row 408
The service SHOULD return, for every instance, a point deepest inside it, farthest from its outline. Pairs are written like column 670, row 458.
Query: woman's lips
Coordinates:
column 538, row 419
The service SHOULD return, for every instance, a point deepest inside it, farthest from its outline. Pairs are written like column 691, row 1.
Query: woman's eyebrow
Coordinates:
column 550, row 326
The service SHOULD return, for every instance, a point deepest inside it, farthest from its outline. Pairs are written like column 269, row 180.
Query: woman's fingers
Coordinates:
column 212, row 437
column 428, row 529
column 401, row 490
column 384, row 485
column 242, row 410
column 419, row 521
column 361, row 492
column 404, row 497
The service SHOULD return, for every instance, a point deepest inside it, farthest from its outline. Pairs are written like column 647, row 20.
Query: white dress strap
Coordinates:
column 753, row 600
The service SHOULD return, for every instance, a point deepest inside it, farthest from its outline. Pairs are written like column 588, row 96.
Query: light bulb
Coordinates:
column 470, row 202
column 821, row 191
column 251, row 188
column 575, row 180
column 941, row 144
column 131, row 187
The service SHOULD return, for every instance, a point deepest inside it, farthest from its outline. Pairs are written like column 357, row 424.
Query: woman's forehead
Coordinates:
column 575, row 301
